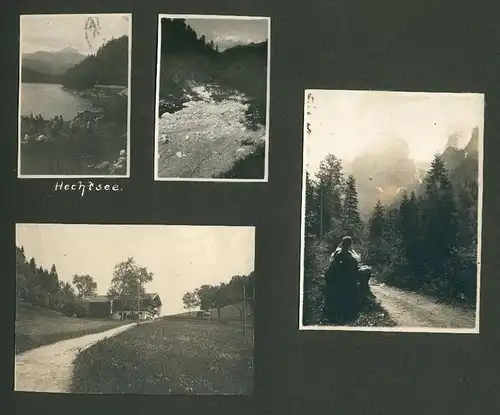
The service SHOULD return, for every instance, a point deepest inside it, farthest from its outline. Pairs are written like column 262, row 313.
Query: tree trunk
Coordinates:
column 218, row 313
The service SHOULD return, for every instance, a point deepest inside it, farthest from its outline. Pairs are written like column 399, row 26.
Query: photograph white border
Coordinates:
column 157, row 100
column 129, row 93
column 402, row 329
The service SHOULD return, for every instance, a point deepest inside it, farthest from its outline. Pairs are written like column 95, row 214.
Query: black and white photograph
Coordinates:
column 134, row 309
column 391, row 211
column 212, row 105
column 74, row 77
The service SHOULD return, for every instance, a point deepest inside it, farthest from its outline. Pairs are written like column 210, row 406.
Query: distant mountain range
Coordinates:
column 108, row 66
column 385, row 170
column 52, row 63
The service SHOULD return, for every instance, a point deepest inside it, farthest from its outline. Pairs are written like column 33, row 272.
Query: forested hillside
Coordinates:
column 190, row 60
column 424, row 240
column 32, row 76
column 41, row 287
column 108, row 66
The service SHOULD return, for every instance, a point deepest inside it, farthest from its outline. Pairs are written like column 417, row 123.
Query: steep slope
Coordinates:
column 212, row 106
column 109, row 66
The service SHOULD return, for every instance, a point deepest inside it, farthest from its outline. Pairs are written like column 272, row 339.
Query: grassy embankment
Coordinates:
column 73, row 152
column 37, row 327
column 176, row 354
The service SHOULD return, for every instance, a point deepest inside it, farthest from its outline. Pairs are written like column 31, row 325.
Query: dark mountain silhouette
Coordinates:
column 108, row 66
column 52, row 63
column 193, row 59
column 463, row 164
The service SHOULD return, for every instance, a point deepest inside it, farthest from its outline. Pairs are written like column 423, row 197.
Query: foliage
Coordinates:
column 189, row 59
column 129, row 280
column 108, row 66
column 39, row 286
column 190, row 301
column 86, row 285
column 426, row 242
column 224, row 294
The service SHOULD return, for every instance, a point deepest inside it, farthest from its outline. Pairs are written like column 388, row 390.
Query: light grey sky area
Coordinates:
column 55, row 32
column 229, row 32
column 346, row 123
column 182, row 258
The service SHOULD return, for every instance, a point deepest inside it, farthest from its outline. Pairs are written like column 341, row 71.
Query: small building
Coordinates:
column 123, row 308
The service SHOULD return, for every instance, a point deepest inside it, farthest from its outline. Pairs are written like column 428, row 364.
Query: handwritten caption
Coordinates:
column 83, row 187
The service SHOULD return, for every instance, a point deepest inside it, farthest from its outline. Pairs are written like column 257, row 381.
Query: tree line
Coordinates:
column 41, row 287
column 108, row 66
column 238, row 290
column 188, row 57
column 424, row 241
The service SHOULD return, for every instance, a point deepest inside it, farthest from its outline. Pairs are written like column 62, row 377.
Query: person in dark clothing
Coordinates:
column 342, row 290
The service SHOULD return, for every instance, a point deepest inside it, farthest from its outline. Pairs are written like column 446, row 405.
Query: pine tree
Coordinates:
column 330, row 185
column 410, row 234
column 376, row 225
column 439, row 226
column 351, row 220
column 312, row 208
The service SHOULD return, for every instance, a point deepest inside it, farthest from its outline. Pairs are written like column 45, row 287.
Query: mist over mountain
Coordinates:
column 52, row 63
column 383, row 170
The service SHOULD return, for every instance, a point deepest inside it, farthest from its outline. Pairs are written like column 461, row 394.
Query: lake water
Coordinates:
column 50, row 100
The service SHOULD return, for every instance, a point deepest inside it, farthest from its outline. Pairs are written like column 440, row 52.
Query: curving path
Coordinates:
column 49, row 368
column 413, row 310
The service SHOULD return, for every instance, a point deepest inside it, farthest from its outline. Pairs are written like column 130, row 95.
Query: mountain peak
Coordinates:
column 69, row 49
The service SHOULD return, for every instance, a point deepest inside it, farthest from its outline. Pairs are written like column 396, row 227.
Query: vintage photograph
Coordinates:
column 212, row 98
column 134, row 309
column 74, row 76
column 391, row 211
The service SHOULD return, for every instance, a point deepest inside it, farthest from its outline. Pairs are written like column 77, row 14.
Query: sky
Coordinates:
column 228, row 32
column 345, row 123
column 55, row 32
column 182, row 258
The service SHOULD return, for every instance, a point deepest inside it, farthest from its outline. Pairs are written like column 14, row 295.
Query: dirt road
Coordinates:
column 49, row 368
column 413, row 310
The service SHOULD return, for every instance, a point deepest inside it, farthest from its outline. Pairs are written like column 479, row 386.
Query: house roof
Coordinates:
column 106, row 299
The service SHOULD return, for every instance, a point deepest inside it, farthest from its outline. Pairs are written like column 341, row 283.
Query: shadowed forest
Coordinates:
column 423, row 239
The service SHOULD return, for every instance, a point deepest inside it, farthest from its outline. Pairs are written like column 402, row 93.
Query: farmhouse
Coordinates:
column 123, row 308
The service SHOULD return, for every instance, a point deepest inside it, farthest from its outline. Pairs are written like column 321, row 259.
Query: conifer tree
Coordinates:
column 376, row 225
column 439, row 225
column 330, row 185
column 351, row 220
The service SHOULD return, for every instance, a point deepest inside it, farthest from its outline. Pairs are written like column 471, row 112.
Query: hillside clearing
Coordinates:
column 168, row 357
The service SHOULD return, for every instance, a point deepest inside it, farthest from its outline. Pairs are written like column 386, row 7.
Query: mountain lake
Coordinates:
column 50, row 100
